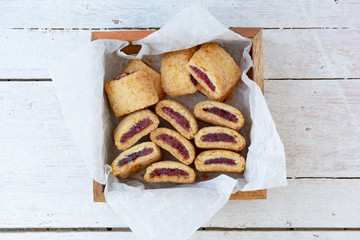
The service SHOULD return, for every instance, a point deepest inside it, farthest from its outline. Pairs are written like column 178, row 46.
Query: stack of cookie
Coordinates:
column 210, row 70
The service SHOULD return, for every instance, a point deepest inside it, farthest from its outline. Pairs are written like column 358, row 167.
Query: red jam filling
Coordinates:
column 180, row 119
column 134, row 156
column 123, row 75
column 220, row 160
column 217, row 137
column 203, row 76
column 174, row 143
column 168, row 172
column 222, row 113
column 193, row 80
column 138, row 127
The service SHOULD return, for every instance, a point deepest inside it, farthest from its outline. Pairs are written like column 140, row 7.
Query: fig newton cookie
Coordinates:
column 215, row 71
column 175, row 80
column 154, row 76
column 219, row 114
column 135, row 159
column 130, row 92
column 169, row 171
column 133, row 127
column 173, row 142
column 220, row 161
column 178, row 116
column 219, row 137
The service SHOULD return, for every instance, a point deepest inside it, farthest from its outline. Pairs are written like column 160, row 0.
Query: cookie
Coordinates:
column 154, row 76
column 135, row 159
column 169, row 171
column 130, row 92
column 178, row 116
column 133, row 127
column 219, row 137
column 220, row 161
column 215, row 71
column 175, row 80
column 175, row 143
column 219, row 114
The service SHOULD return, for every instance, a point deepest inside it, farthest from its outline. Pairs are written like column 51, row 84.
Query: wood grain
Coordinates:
column 257, row 74
column 35, row 144
column 319, row 124
column 323, row 53
column 144, row 14
column 316, row 111
column 203, row 235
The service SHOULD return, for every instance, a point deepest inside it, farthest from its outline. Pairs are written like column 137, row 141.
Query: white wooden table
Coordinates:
column 312, row 85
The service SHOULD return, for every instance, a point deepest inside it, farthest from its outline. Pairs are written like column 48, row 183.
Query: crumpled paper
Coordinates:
column 153, row 210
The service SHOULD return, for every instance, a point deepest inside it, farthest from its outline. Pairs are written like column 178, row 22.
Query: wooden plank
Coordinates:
column 204, row 235
column 288, row 53
column 295, row 206
column 257, row 74
column 318, row 122
column 144, row 14
column 303, row 204
column 315, row 111
column 35, row 144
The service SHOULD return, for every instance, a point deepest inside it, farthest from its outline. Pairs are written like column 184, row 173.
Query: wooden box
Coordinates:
column 256, row 73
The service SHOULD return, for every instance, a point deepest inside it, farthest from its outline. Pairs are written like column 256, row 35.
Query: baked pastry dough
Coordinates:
column 173, row 142
column 169, row 171
column 220, row 161
column 133, row 127
column 219, row 114
column 219, row 137
column 135, row 159
column 178, row 116
column 130, row 92
column 175, row 80
column 154, row 76
column 215, row 71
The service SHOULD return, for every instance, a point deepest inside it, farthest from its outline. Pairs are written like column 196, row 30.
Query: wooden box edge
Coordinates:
column 256, row 73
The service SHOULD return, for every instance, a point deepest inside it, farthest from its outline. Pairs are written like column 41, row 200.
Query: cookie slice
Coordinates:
column 154, row 76
column 169, row 171
column 219, row 137
column 215, row 71
column 135, row 159
column 133, row 127
column 130, row 92
column 219, row 114
column 178, row 116
column 220, row 161
column 173, row 142
column 175, row 80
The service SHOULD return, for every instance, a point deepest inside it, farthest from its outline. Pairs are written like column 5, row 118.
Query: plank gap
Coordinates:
column 209, row 229
column 349, row 178
column 26, row 80
column 156, row 28
column 301, row 79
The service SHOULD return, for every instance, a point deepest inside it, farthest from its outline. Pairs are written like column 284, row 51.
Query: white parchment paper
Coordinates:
column 166, row 211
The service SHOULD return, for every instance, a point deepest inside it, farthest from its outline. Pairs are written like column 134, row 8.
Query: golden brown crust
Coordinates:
column 190, row 178
column 131, row 93
column 129, row 121
column 137, row 64
column 135, row 166
column 218, row 167
column 238, row 145
column 177, row 107
column 187, row 144
column 219, row 66
column 174, row 77
column 215, row 119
